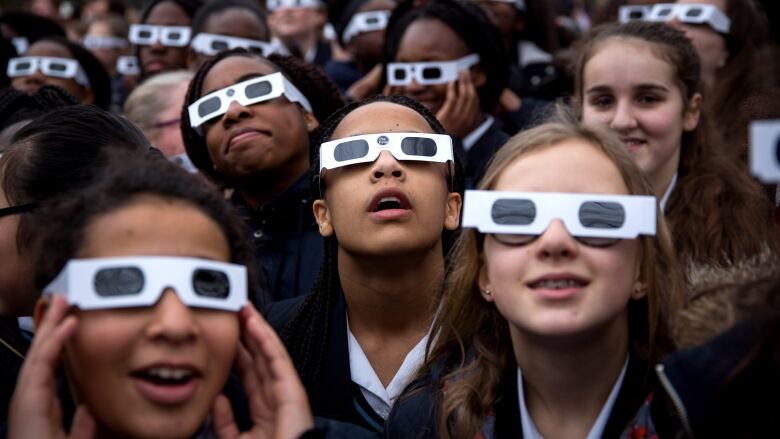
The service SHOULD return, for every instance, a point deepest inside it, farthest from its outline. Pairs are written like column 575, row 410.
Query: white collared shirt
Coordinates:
column 381, row 399
column 473, row 136
column 529, row 429
column 668, row 192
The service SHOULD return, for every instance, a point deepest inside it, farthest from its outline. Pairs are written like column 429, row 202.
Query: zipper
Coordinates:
column 676, row 400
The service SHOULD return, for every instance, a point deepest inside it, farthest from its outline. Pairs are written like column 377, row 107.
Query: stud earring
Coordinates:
column 487, row 292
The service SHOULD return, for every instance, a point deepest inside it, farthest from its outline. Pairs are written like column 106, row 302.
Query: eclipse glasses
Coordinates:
column 211, row 44
column 691, row 13
column 403, row 146
column 273, row 5
column 64, row 68
column 428, row 73
column 150, row 34
column 365, row 22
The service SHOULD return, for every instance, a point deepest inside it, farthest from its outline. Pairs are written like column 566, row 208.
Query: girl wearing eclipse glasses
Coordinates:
column 556, row 308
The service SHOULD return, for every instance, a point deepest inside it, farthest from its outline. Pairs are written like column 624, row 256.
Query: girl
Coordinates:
column 148, row 339
column 652, row 101
column 457, row 38
column 261, row 149
column 162, row 37
column 550, row 331
column 57, row 61
column 360, row 334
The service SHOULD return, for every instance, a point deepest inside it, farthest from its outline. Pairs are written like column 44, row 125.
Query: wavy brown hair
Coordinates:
column 716, row 212
column 473, row 338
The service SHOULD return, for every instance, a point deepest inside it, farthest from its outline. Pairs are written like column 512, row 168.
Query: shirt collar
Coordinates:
column 473, row 136
column 668, row 192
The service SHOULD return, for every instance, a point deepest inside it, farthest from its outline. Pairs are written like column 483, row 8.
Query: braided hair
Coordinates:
column 215, row 7
column 16, row 106
column 321, row 93
column 306, row 333
column 471, row 24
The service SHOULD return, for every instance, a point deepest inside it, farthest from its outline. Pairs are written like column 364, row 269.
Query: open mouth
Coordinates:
column 389, row 199
column 166, row 376
column 558, row 284
column 387, row 203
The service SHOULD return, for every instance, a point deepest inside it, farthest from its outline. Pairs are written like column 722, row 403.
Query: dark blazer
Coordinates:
column 476, row 158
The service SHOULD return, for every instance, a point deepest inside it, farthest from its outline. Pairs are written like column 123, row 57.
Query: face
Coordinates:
column 31, row 84
column 113, row 354
column 268, row 138
column 429, row 40
column 638, row 98
column 366, row 48
column 602, row 279
column 296, row 22
column 351, row 207
column 158, row 58
column 16, row 278
column 107, row 56
column 168, row 137
column 235, row 22
column 710, row 45
column 504, row 15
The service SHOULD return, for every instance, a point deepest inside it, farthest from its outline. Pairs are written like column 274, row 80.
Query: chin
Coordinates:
column 162, row 426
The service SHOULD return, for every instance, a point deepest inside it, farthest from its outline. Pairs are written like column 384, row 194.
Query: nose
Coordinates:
column 414, row 88
column 386, row 166
column 157, row 47
column 235, row 113
column 172, row 321
column 623, row 119
column 556, row 243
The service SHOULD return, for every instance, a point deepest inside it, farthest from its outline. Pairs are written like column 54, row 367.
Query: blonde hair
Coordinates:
column 151, row 98
column 467, row 322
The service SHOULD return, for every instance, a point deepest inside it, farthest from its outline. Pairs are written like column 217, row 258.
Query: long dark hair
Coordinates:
column 306, row 333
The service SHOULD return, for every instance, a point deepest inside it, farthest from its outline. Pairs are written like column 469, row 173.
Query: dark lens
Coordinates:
column 597, row 242
column 694, row 12
column 372, row 20
column 57, row 67
column 513, row 239
column 352, row 149
column 219, row 45
column 513, row 212
column 145, row 34
column 664, row 12
column 777, row 150
column 636, row 15
column 602, row 215
column 120, row 281
column 24, row 65
column 210, row 283
column 420, row 146
column 258, row 89
column 209, row 106
column 431, row 73
column 399, row 74
column 174, row 35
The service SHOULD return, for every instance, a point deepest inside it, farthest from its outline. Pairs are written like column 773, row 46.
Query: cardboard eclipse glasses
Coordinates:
column 403, row 146
column 429, row 73
column 53, row 67
column 150, row 34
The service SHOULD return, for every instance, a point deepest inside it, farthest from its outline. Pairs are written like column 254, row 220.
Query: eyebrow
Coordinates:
column 241, row 78
column 640, row 87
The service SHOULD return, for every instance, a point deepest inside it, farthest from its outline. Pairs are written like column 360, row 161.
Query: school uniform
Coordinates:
column 287, row 241
column 478, row 147
column 13, row 348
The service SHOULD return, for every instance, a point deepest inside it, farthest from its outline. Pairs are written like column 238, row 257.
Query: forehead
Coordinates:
column 381, row 117
column 237, row 22
column 227, row 71
column 627, row 60
column 721, row 4
column 568, row 166
column 168, row 14
column 431, row 39
column 48, row 48
column 377, row 5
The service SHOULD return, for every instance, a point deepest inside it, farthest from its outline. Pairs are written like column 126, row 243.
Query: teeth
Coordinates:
column 167, row 373
column 390, row 200
column 557, row 284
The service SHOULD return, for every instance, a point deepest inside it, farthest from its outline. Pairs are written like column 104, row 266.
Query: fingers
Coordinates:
column 222, row 416
column 83, row 426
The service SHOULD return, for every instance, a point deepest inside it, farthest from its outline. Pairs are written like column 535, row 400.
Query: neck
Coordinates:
column 259, row 190
column 393, row 295
column 567, row 382
column 303, row 43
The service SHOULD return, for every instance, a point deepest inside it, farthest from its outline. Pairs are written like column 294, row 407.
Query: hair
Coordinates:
column 716, row 212
column 32, row 26
column 149, row 99
column 122, row 183
column 190, row 7
column 305, row 334
column 472, row 26
column 321, row 93
column 115, row 23
column 60, row 152
column 472, row 336
column 218, row 6
column 17, row 106
column 99, row 81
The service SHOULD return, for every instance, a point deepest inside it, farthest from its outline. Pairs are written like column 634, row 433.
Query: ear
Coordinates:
column 89, row 96
column 478, row 76
column 692, row 113
column 41, row 306
column 452, row 215
column 483, row 281
column 322, row 216
column 311, row 122
column 640, row 287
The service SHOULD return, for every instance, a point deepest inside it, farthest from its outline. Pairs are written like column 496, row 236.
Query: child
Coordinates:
column 152, row 269
column 556, row 307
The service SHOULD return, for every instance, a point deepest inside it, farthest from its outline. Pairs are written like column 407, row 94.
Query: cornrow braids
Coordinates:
column 16, row 106
column 471, row 24
column 306, row 333
column 310, row 80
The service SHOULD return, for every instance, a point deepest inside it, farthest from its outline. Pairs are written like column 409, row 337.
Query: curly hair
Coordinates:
column 321, row 93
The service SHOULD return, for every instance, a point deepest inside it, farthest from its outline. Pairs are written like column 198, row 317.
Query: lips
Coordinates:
column 167, row 384
column 558, row 285
column 243, row 134
column 632, row 143
column 389, row 204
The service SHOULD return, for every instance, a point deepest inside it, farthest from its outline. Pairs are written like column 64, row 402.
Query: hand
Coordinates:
column 277, row 400
column 367, row 85
column 35, row 407
column 460, row 114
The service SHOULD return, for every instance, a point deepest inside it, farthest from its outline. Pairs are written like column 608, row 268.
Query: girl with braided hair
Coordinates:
column 386, row 210
column 246, row 124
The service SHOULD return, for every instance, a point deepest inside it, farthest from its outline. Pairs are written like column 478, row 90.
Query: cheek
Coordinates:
column 591, row 116
column 221, row 332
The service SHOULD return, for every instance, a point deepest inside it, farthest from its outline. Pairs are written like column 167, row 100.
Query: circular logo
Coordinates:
column 230, row 92
column 382, row 140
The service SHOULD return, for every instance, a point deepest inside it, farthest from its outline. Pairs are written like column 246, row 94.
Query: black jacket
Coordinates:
column 287, row 241
column 476, row 158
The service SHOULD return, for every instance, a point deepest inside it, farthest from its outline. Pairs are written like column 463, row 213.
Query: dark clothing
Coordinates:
column 531, row 113
column 13, row 347
column 476, row 158
column 727, row 387
column 333, row 395
column 287, row 241
column 343, row 74
column 415, row 413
